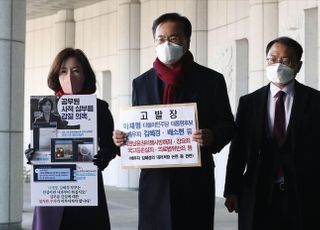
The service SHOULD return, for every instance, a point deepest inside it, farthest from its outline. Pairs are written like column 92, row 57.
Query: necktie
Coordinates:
column 279, row 128
column 279, row 119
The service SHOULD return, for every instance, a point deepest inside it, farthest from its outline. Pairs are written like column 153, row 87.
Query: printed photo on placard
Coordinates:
column 69, row 149
column 61, row 150
column 44, row 110
column 85, row 152
column 43, row 132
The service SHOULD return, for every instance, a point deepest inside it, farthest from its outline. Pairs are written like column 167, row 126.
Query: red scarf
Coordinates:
column 173, row 77
column 59, row 93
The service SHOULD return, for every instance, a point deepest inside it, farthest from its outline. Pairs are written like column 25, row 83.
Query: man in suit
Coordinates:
column 274, row 158
column 181, row 198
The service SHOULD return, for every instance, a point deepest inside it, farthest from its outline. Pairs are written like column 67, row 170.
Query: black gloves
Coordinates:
column 29, row 152
column 102, row 159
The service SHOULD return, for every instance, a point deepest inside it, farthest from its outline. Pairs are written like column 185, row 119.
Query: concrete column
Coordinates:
column 263, row 24
column 129, row 68
column 197, row 12
column 311, row 48
column 12, row 52
column 64, row 30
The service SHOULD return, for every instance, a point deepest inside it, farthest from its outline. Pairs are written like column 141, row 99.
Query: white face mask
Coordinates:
column 279, row 73
column 169, row 53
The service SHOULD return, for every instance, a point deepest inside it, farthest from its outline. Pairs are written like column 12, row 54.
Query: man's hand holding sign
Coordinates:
column 161, row 136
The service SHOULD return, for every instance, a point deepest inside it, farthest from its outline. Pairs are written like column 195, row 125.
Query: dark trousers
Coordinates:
column 280, row 214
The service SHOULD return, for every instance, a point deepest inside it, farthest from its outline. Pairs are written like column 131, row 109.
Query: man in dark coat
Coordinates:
column 181, row 198
column 274, row 159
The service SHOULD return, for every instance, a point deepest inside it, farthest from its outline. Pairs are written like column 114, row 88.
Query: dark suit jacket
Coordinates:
column 183, row 198
column 301, row 164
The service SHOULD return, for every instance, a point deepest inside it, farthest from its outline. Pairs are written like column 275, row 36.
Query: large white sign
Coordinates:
column 160, row 136
column 64, row 135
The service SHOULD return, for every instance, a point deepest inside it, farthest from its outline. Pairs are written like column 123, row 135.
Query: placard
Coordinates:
column 160, row 136
column 63, row 131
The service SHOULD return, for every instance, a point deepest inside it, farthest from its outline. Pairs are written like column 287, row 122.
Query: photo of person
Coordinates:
column 47, row 113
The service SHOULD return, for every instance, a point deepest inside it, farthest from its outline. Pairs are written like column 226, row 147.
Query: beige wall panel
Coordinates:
column 30, row 54
column 218, row 13
column 37, row 47
column 255, row 79
column 158, row 7
column 124, row 27
column 79, row 14
column 231, row 11
column 145, row 31
column 94, row 43
column 79, row 34
column 113, row 34
column 308, row 4
column 170, row 6
column 242, row 9
column 242, row 29
column 87, row 37
column 47, row 48
column 92, row 11
column 134, row 21
column 199, row 48
column 103, row 35
column 122, row 79
column 256, row 60
column 147, row 58
column 201, row 15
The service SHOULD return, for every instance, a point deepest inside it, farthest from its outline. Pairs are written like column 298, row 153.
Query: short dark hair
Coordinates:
column 173, row 17
column 53, row 76
column 289, row 42
column 42, row 101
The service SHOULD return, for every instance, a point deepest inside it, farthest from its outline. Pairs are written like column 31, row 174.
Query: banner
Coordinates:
column 63, row 131
column 160, row 136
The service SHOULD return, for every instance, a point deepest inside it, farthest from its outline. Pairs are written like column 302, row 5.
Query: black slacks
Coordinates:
column 280, row 214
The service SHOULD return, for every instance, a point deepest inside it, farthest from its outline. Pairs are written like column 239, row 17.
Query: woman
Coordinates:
column 45, row 106
column 71, row 73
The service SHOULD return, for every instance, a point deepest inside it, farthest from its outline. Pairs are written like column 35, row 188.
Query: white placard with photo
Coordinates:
column 63, row 131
